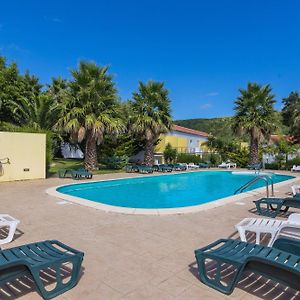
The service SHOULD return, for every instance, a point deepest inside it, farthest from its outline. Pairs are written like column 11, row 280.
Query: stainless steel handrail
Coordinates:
column 266, row 178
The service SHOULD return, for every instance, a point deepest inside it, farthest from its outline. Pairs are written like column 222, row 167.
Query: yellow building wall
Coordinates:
column 176, row 142
column 26, row 153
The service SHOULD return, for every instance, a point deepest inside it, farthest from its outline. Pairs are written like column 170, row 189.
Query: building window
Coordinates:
column 191, row 141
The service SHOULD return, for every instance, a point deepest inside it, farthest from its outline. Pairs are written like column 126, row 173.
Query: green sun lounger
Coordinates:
column 131, row 168
column 75, row 174
column 143, row 169
column 177, row 167
column 82, row 173
column 271, row 207
column 280, row 263
column 256, row 167
column 162, row 168
column 31, row 259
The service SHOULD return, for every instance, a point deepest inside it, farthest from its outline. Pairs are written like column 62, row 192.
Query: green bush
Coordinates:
column 273, row 166
column 294, row 161
column 170, row 154
column 116, row 162
column 188, row 158
column 214, row 159
column 240, row 157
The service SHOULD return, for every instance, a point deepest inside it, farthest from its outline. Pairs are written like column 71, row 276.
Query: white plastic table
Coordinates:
column 258, row 226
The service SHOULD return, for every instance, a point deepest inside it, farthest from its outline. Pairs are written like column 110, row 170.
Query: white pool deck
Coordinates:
column 133, row 256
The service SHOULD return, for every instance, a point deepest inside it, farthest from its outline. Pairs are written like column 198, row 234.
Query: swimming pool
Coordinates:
column 166, row 191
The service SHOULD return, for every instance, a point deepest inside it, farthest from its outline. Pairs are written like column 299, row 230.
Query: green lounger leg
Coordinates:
column 47, row 256
column 215, row 282
column 265, row 206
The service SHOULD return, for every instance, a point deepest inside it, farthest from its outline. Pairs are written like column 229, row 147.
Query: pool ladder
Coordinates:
column 266, row 178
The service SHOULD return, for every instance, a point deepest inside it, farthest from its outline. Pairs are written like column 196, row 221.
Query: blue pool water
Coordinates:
column 176, row 190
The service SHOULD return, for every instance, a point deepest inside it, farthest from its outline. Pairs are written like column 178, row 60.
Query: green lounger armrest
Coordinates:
column 31, row 259
column 279, row 263
column 272, row 207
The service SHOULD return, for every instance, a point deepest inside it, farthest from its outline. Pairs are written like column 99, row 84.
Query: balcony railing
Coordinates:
column 189, row 150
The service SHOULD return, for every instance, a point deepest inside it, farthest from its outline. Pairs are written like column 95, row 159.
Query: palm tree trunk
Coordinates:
column 254, row 143
column 149, row 153
column 90, row 155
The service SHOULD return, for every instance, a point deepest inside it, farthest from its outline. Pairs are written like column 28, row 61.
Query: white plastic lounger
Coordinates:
column 192, row 166
column 223, row 165
column 227, row 165
column 7, row 221
column 271, row 226
column 295, row 168
column 295, row 189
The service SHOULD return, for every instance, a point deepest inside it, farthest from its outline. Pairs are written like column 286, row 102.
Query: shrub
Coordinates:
column 291, row 162
column 188, row 158
column 116, row 162
column 170, row 154
column 214, row 159
column 273, row 166
column 240, row 157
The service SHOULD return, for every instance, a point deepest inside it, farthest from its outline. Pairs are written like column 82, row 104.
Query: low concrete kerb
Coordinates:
column 161, row 211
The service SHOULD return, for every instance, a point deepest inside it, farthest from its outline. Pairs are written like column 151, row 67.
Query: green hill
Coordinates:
column 219, row 127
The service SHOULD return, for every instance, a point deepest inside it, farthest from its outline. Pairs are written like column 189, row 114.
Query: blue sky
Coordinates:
column 203, row 50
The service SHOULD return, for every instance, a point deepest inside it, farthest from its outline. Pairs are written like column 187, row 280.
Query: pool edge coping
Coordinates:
column 160, row 211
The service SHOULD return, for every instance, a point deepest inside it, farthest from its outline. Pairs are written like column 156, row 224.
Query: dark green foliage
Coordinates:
column 116, row 162
column 291, row 162
column 240, row 156
column 229, row 150
column 170, row 154
column 272, row 166
column 291, row 114
column 188, row 158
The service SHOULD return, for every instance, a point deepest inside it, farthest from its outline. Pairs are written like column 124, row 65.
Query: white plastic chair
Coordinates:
column 291, row 227
column 11, row 223
column 295, row 189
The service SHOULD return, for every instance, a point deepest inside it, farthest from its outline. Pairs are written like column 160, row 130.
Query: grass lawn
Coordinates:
column 71, row 163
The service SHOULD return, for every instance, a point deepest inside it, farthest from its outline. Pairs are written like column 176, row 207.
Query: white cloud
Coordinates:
column 53, row 19
column 212, row 94
column 57, row 20
column 205, row 106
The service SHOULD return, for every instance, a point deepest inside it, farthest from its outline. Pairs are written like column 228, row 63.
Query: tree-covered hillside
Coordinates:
column 219, row 127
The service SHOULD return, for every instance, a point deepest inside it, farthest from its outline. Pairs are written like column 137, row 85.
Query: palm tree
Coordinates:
column 91, row 109
column 37, row 112
column 151, row 115
column 255, row 115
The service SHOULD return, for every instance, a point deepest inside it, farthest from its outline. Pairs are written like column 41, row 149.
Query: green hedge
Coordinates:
column 272, row 166
column 295, row 161
column 116, row 162
column 188, row 158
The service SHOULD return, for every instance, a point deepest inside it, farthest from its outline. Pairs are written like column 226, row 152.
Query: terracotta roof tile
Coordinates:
column 188, row 130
